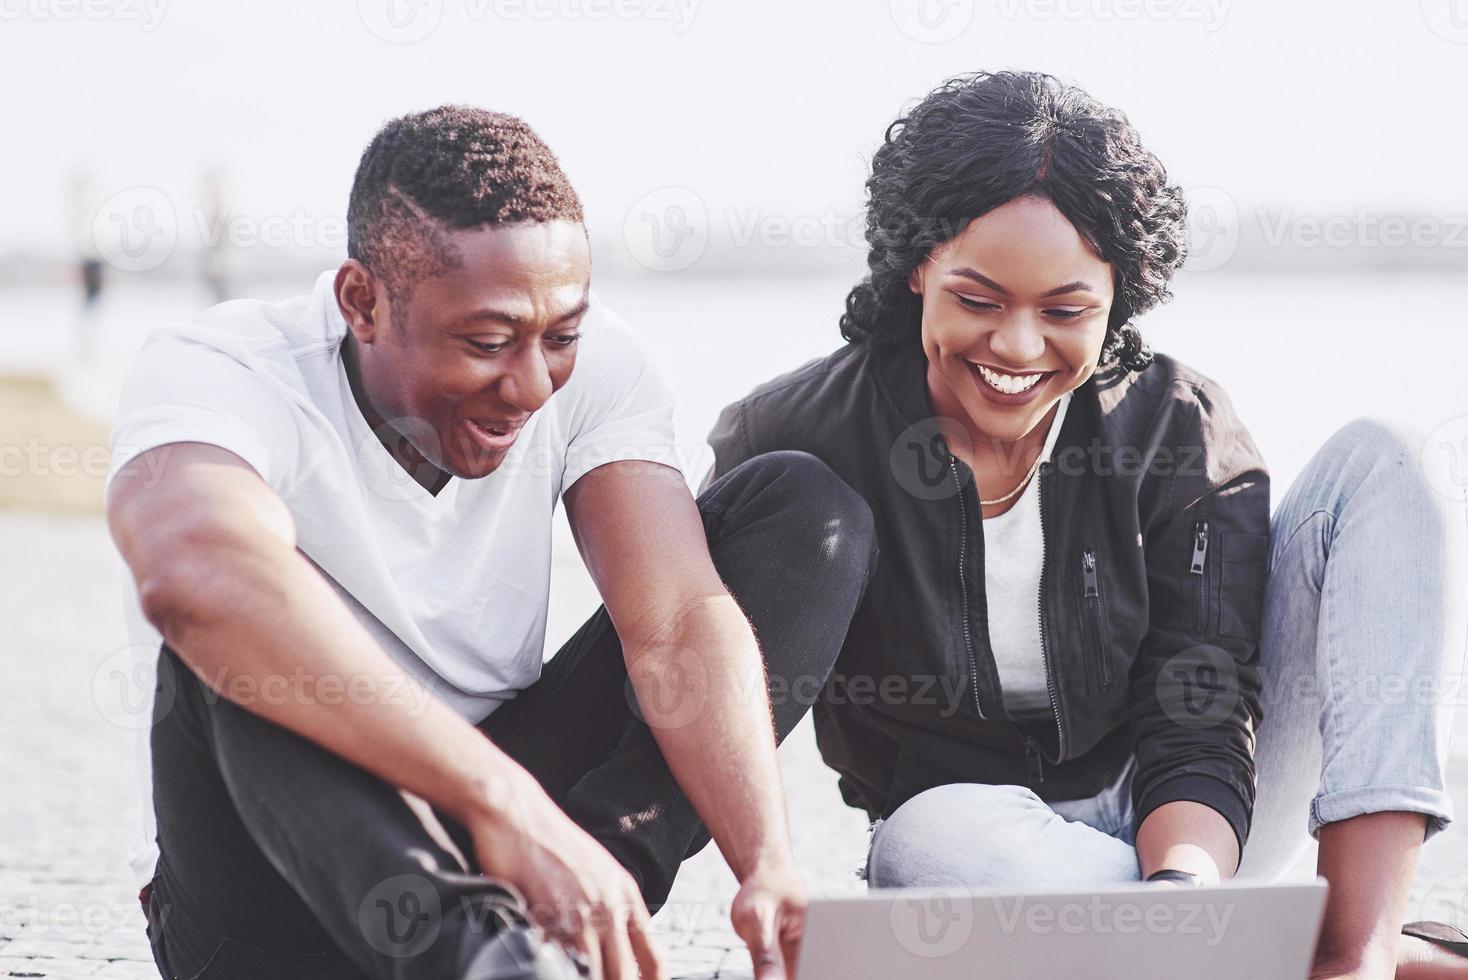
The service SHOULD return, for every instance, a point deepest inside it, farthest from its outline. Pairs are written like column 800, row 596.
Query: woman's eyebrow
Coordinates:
column 1078, row 285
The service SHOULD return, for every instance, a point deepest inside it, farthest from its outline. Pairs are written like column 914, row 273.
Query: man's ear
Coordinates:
column 360, row 300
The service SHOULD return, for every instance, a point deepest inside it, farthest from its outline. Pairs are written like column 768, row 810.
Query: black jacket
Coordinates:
column 1155, row 517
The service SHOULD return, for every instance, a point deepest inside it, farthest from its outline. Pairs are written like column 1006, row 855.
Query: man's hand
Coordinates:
column 769, row 915
column 577, row 892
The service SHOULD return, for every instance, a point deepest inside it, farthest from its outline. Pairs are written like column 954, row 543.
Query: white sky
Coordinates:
column 754, row 103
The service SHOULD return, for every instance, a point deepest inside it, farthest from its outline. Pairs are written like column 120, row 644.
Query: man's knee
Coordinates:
column 962, row 834
column 817, row 507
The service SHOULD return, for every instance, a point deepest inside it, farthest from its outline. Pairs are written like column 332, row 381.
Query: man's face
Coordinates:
column 460, row 365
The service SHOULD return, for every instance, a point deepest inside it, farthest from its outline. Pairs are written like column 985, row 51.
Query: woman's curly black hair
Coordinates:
column 979, row 141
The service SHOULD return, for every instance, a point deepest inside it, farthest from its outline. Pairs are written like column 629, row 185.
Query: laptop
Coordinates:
column 1137, row 932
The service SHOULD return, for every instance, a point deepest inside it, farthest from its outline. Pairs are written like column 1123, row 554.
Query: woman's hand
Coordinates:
column 769, row 915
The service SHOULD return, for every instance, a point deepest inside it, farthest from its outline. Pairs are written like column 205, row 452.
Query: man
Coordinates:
column 325, row 498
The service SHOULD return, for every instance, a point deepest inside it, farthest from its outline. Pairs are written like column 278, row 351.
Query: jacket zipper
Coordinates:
column 1199, row 569
column 1093, row 609
column 1044, row 645
column 968, row 639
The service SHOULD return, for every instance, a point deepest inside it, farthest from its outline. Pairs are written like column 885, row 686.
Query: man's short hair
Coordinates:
column 448, row 168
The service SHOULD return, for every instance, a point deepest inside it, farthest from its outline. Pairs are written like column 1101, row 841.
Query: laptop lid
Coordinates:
column 1137, row 932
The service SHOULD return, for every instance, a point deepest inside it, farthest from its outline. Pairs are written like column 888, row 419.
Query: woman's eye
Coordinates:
column 975, row 304
column 1065, row 314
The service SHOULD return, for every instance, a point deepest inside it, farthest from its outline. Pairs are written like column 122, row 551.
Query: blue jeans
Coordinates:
column 1361, row 657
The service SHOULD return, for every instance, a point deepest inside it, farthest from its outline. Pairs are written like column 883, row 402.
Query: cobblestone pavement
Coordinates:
column 66, row 905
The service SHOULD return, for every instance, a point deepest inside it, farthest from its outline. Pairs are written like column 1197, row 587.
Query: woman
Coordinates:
column 1083, row 607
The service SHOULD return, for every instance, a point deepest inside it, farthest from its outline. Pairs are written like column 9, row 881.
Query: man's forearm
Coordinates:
column 263, row 629
column 701, row 687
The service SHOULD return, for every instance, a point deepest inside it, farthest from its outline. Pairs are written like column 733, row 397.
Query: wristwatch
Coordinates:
column 1186, row 879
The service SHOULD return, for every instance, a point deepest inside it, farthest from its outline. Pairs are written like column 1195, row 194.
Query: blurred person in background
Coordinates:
column 82, row 210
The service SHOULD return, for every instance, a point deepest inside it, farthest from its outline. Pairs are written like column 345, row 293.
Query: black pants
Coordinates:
column 281, row 859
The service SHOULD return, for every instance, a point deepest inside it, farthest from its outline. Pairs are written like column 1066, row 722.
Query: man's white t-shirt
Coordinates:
column 454, row 586
column 1013, row 553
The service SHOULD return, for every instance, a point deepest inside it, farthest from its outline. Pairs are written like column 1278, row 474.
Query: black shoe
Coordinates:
column 523, row 953
column 1439, row 934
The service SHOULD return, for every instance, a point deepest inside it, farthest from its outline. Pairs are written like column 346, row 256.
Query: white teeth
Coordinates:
column 1008, row 383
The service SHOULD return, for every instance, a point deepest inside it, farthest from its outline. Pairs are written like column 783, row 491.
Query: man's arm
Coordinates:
column 212, row 549
column 699, row 678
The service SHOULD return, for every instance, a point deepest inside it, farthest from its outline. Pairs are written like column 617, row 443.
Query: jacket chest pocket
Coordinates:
column 1095, row 625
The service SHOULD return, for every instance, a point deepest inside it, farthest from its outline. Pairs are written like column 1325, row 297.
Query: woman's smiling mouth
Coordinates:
column 1011, row 388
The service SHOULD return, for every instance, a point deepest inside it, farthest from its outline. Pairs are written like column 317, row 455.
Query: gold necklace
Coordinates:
column 1000, row 500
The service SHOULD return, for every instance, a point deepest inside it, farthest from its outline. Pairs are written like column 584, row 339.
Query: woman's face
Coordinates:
column 1019, row 294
